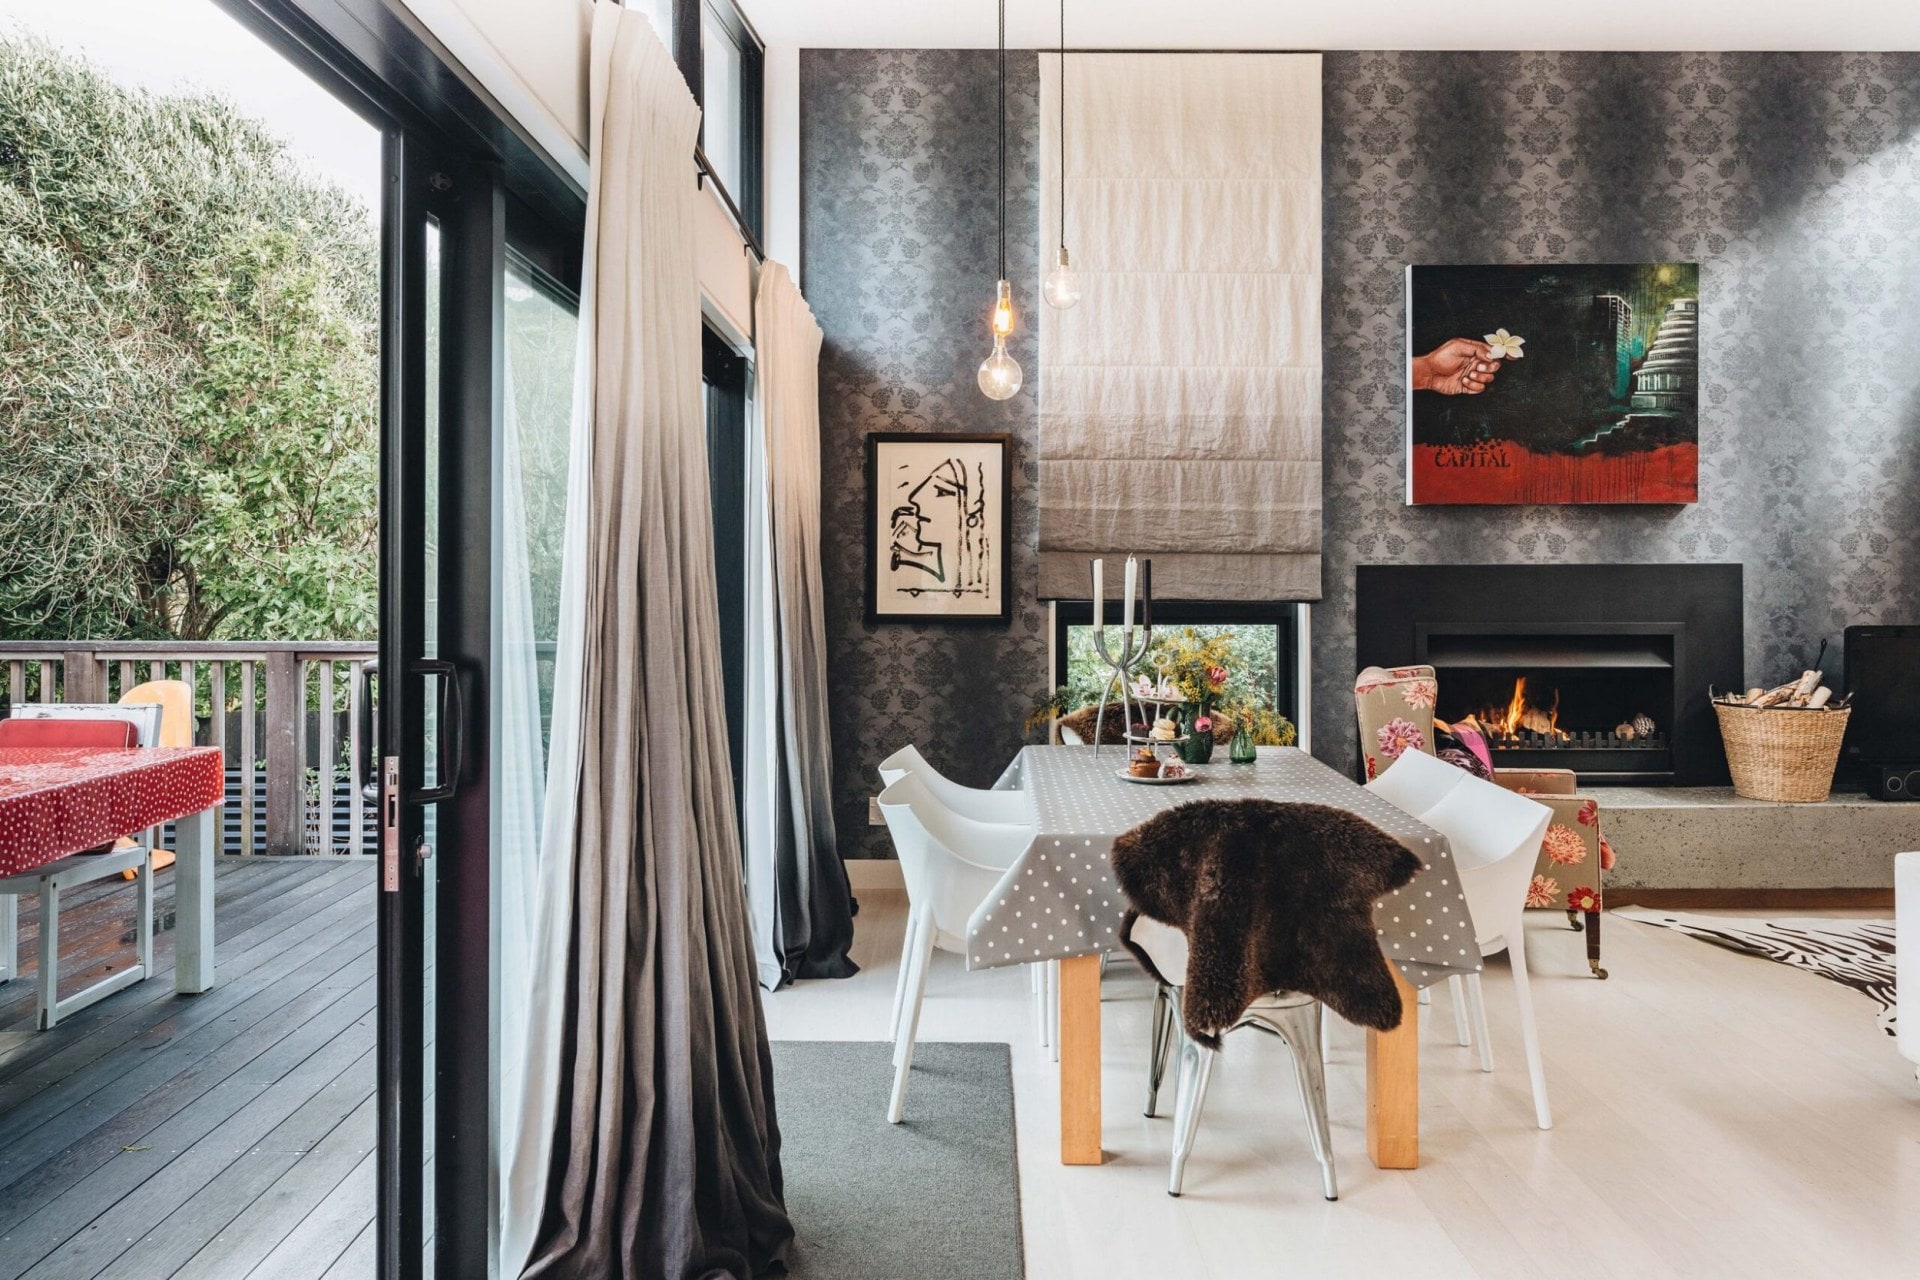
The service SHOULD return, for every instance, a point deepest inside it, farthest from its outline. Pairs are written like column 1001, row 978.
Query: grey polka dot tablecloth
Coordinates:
column 1060, row 899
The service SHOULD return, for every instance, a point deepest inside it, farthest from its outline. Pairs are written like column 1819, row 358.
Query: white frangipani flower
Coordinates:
column 1506, row 346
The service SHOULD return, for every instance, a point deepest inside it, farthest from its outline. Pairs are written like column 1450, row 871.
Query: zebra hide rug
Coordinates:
column 1854, row 953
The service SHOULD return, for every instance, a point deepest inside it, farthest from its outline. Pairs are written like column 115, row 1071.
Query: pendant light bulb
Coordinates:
column 1003, row 310
column 1000, row 374
column 1062, row 286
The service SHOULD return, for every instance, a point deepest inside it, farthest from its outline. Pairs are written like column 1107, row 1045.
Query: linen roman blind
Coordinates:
column 1180, row 401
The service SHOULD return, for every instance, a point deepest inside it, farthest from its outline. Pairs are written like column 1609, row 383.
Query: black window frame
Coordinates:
column 747, row 205
column 1283, row 616
column 724, row 371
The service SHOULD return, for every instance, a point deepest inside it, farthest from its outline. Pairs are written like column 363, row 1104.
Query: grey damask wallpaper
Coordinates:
column 1792, row 179
column 897, row 170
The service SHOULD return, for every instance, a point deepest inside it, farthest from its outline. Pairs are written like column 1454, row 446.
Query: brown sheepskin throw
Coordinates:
column 1272, row 897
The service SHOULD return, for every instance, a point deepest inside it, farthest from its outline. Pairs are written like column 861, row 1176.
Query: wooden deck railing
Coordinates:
column 286, row 715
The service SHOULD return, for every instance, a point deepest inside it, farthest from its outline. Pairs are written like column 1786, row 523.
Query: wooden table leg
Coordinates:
column 1080, row 1060
column 1393, row 1086
column 193, row 901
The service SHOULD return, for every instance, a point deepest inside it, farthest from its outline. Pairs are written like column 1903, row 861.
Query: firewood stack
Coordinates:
column 1804, row 694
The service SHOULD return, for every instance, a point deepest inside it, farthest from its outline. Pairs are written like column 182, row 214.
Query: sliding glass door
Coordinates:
column 481, row 328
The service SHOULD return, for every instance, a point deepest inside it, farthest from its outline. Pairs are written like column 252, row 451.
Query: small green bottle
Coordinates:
column 1242, row 751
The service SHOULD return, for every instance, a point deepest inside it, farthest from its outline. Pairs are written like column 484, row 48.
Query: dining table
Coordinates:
column 59, row 802
column 1060, row 901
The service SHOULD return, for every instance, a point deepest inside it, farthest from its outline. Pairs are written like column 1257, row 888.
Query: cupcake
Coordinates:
column 1144, row 764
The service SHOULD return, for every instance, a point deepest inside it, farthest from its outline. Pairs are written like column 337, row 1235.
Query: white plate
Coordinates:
column 1159, row 782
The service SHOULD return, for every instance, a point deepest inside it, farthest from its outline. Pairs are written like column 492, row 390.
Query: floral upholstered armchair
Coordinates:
column 1395, row 706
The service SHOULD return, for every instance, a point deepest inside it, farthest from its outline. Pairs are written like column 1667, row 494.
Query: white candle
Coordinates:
column 1126, row 610
column 1099, row 609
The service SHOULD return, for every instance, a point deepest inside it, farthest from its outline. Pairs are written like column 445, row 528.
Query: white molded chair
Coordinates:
column 1292, row 1017
column 1416, row 781
column 951, row 864
column 1495, row 836
column 1000, row 808
column 1014, row 807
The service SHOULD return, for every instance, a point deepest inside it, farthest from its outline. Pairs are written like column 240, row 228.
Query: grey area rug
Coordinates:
column 936, row 1197
column 1854, row 953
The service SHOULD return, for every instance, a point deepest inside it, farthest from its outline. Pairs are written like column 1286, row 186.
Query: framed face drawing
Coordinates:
column 938, row 527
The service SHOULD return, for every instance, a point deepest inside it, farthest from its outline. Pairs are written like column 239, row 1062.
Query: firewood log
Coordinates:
column 1803, row 689
column 1821, row 697
column 1753, row 694
column 1775, row 695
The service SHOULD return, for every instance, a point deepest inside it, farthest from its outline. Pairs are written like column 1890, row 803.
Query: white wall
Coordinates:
column 1351, row 24
column 531, row 55
column 782, row 143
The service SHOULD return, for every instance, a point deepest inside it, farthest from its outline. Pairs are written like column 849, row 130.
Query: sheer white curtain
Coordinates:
column 536, row 892
column 802, row 909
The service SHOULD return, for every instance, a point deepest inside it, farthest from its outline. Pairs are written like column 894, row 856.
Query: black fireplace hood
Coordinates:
column 1660, row 634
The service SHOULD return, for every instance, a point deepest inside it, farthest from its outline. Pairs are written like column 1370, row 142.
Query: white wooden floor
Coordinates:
column 1715, row 1115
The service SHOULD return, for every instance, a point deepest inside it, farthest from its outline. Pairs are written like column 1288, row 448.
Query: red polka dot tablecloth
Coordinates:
column 60, row 800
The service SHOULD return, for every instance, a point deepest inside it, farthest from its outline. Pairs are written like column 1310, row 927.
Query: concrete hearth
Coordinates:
column 1709, row 838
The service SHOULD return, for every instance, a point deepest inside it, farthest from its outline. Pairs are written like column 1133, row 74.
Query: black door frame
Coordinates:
column 723, row 370
column 452, row 154
column 402, row 715
column 469, row 203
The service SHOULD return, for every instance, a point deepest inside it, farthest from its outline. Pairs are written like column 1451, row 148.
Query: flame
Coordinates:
column 1515, row 717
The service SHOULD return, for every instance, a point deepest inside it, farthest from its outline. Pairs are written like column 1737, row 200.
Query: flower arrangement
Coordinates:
column 1224, row 674
column 1196, row 666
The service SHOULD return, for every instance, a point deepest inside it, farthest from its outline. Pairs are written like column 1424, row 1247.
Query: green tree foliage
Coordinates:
column 189, row 370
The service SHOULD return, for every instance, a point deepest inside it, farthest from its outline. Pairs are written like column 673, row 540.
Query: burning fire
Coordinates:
column 1523, row 716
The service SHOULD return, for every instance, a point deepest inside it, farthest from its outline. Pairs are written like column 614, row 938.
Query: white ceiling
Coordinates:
column 1344, row 24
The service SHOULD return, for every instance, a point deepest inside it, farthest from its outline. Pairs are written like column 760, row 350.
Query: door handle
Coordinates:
column 369, row 728
column 449, row 745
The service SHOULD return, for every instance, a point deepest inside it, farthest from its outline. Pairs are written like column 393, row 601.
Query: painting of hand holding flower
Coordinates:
column 1598, row 402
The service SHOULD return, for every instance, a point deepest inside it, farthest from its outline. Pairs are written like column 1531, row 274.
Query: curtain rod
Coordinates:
column 705, row 167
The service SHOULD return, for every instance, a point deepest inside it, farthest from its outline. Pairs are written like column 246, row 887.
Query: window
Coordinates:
column 724, row 62
column 724, row 384
column 1258, row 638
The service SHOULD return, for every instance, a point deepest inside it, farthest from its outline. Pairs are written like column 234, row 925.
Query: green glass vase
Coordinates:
column 1198, row 748
column 1243, row 751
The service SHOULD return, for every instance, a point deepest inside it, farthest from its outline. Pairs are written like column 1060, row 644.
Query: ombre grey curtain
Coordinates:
column 663, row 1156
column 802, row 908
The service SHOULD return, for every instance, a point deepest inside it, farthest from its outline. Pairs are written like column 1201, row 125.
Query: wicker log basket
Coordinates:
column 1782, row 753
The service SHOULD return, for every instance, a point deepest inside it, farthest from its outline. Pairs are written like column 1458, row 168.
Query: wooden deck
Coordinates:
column 224, row 1135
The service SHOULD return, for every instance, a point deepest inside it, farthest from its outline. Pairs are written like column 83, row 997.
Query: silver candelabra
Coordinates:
column 1134, row 644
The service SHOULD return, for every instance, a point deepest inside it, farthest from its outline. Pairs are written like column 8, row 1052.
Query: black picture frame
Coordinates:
column 884, row 596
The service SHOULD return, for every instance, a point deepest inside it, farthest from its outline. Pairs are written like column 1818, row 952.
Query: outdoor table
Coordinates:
column 1060, row 901
column 59, row 801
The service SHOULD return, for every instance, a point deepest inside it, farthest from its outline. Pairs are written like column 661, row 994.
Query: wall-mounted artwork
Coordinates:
column 1553, row 384
column 938, row 524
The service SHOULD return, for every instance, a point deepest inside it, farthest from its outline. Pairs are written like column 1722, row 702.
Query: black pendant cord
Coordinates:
column 1063, row 126
column 1003, row 139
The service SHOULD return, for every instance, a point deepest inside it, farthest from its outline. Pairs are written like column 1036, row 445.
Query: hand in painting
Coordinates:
column 1457, row 367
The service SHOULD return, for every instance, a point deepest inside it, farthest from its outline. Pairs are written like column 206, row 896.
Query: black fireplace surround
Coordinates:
column 1596, row 644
